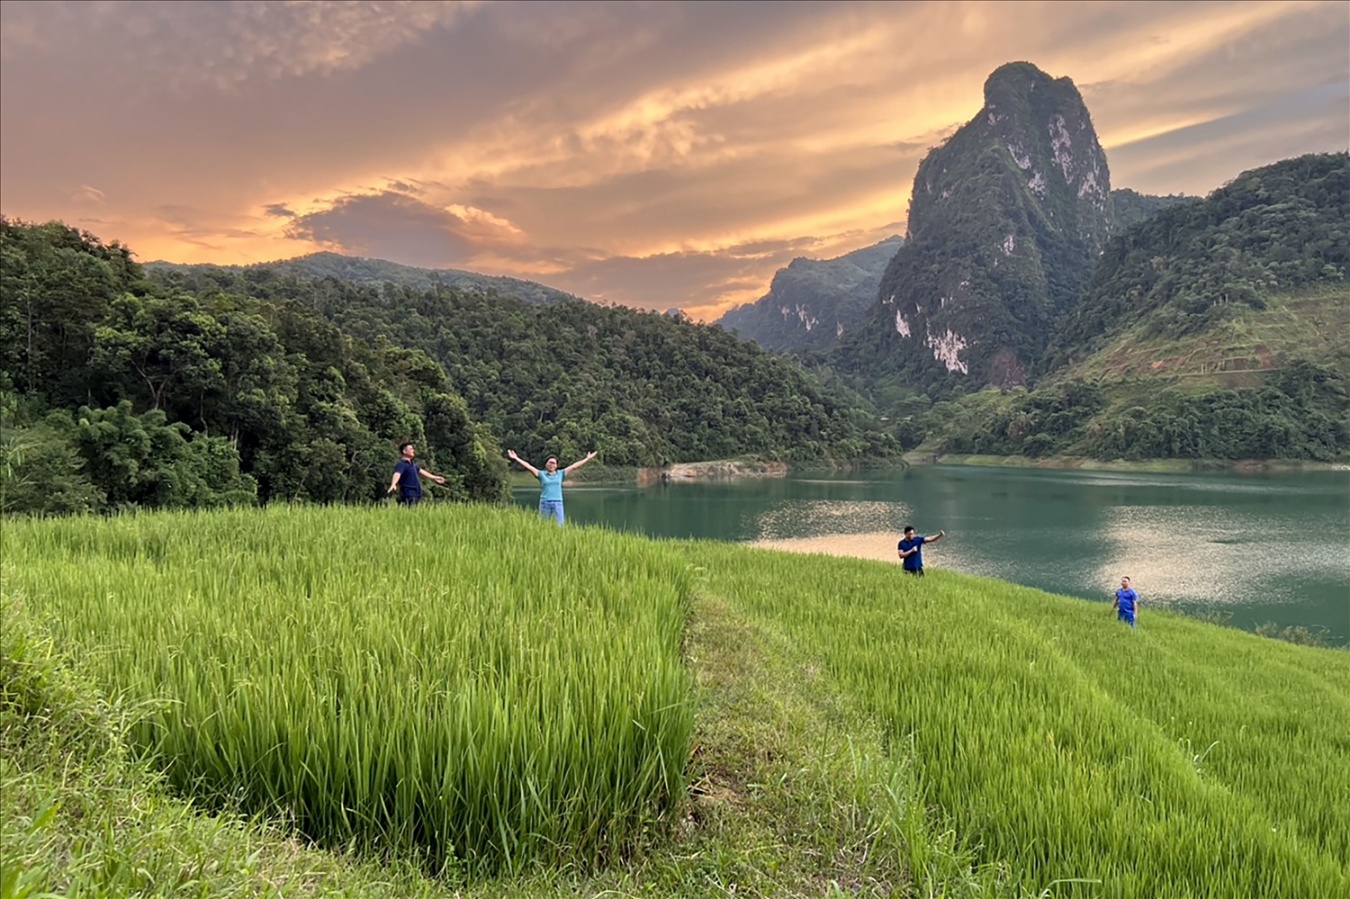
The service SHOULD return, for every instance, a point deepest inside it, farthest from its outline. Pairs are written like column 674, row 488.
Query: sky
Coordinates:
column 654, row 155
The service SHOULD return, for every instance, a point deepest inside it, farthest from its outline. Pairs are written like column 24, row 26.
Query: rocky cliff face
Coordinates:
column 1006, row 221
column 812, row 302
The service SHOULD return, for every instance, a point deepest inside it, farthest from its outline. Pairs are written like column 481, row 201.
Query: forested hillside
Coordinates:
column 1216, row 329
column 360, row 270
column 119, row 392
column 644, row 389
column 1273, row 230
column 200, row 386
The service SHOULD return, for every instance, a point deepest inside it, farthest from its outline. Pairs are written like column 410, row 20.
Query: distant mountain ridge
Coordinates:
column 811, row 302
column 361, row 270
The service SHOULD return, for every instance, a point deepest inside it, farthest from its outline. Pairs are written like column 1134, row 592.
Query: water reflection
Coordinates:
column 814, row 518
column 1190, row 556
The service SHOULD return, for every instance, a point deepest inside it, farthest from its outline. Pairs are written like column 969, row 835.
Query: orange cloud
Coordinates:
column 666, row 155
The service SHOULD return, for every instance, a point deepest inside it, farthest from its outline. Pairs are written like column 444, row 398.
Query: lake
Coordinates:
column 1261, row 547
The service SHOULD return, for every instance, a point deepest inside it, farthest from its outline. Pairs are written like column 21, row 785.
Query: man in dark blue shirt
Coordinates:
column 911, row 550
column 408, row 477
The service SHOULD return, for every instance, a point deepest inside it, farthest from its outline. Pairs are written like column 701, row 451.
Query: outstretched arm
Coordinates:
column 434, row 477
column 511, row 454
column 580, row 462
column 936, row 537
column 393, row 485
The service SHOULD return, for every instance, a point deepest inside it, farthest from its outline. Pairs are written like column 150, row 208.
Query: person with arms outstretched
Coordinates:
column 408, row 477
column 1126, row 603
column 911, row 550
column 550, row 482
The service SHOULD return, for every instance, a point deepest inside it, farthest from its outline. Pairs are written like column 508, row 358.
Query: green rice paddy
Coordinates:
column 476, row 690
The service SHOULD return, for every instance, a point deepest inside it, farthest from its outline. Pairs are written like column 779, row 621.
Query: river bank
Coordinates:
column 1146, row 466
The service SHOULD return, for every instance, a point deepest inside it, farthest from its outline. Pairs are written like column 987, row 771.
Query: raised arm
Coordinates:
column 511, row 454
column 936, row 537
column 432, row 477
column 580, row 462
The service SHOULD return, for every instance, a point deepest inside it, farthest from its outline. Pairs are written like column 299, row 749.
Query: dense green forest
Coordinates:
column 207, row 386
column 645, row 389
column 1216, row 329
column 118, row 392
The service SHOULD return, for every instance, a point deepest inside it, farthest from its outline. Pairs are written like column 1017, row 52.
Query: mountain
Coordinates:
column 1006, row 220
column 812, row 302
column 358, row 270
column 1215, row 329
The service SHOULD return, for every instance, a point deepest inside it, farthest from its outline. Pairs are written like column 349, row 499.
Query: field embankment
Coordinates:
column 476, row 692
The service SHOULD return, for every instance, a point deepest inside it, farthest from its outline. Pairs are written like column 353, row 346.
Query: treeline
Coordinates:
column 359, row 270
column 1299, row 415
column 118, row 391
column 642, row 388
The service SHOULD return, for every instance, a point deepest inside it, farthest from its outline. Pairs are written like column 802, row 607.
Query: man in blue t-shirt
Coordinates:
column 408, row 477
column 550, row 482
column 1127, row 602
column 911, row 550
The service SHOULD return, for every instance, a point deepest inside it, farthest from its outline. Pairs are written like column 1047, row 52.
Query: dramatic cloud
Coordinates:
column 650, row 154
column 390, row 224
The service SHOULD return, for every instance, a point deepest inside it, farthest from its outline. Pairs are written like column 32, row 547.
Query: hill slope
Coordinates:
column 812, row 302
column 1185, row 273
column 359, row 270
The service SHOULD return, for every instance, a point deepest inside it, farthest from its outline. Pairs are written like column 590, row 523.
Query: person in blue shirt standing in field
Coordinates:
column 911, row 550
column 1127, row 601
column 550, row 482
column 408, row 477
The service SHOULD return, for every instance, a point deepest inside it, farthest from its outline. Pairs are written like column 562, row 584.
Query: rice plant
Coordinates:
column 1183, row 759
column 466, row 686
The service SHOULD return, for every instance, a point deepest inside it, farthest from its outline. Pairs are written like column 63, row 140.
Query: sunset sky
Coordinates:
column 651, row 154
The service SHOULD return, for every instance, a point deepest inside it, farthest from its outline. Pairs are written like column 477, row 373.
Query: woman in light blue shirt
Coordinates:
column 550, row 482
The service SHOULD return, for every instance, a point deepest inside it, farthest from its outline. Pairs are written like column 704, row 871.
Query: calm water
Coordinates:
column 1262, row 547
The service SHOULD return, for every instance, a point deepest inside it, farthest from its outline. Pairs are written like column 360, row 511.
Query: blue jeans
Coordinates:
column 1127, row 617
column 551, row 508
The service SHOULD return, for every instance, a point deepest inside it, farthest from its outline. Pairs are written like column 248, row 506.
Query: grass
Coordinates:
column 477, row 696
column 851, row 733
column 79, row 816
column 1070, row 748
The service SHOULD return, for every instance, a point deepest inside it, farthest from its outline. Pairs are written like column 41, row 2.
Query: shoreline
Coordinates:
column 736, row 469
column 1157, row 466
